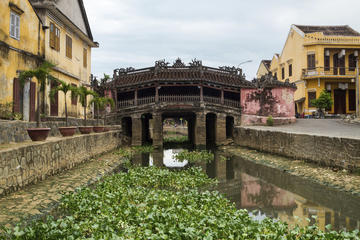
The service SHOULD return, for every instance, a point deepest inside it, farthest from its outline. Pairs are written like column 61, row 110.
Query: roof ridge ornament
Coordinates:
column 268, row 80
column 233, row 70
column 162, row 64
column 195, row 63
column 178, row 63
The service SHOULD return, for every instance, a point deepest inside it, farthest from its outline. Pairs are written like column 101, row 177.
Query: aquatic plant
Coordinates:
column 177, row 139
column 195, row 156
column 156, row 203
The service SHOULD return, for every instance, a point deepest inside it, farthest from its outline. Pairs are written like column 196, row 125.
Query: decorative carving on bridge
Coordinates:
column 178, row 63
column 161, row 64
column 121, row 71
column 195, row 63
column 268, row 81
column 233, row 70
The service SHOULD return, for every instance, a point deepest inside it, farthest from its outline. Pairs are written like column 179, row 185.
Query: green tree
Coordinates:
column 100, row 104
column 83, row 93
column 324, row 101
column 65, row 88
column 42, row 74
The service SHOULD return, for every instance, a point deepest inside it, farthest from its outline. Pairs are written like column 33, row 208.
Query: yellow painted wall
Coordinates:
column 31, row 41
column 72, row 70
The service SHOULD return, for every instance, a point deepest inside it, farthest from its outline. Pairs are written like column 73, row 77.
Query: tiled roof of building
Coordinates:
column 179, row 72
column 267, row 63
column 343, row 30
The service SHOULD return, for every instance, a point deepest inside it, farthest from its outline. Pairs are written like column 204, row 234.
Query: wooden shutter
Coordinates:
column 85, row 58
column 68, row 46
column 17, row 26
column 57, row 38
column 311, row 61
column 52, row 35
column 16, row 96
column 32, row 101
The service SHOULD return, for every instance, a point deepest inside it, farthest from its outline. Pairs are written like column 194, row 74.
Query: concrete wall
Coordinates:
column 15, row 131
column 329, row 151
column 29, row 163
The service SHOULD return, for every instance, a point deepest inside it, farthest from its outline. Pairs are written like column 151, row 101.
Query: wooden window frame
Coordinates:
column 311, row 61
column 326, row 63
column 283, row 73
column 352, row 62
column 14, row 30
column 310, row 105
column 55, row 33
column 290, row 70
column 68, row 47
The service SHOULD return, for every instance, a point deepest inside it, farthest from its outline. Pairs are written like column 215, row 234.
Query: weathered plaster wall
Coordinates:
column 340, row 152
column 32, row 162
column 258, row 104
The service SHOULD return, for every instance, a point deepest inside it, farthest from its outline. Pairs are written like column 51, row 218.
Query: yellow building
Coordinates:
column 21, row 48
column 68, row 42
column 318, row 58
column 264, row 68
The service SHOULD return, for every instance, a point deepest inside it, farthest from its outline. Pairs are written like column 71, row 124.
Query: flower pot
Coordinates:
column 86, row 129
column 38, row 134
column 67, row 131
column 99, row 129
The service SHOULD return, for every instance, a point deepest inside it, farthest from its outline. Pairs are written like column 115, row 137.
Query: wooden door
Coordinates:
column 339, row 101
column 336, row 64
column 342, row 65
column 17, row 96
column 32, row 101
column 54, row 103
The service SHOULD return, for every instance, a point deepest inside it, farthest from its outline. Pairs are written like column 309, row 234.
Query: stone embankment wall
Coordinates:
column 328, row 151
column 33, row 161
column 15, row 131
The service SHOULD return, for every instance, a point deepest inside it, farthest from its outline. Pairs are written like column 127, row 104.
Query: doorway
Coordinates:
column 339, row 101
column 54, row 103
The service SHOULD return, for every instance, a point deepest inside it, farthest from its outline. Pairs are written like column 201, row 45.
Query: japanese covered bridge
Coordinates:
column 208, row 98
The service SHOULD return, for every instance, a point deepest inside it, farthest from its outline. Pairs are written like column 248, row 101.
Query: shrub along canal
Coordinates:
column 174, row 194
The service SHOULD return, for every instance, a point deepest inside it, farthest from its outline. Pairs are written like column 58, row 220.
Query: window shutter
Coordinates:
column 17, row 27
column 52, row 35
column 16, row 96
column 68, row 46
column 12, row 25
column 57, row 38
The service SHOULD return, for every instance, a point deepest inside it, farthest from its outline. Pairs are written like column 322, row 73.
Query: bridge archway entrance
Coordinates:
column 126, row 126
column 146, row 128
column 229, row 126
column 211, row 127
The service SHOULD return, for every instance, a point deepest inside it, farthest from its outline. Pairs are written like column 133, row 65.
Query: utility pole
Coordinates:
column 357, row 85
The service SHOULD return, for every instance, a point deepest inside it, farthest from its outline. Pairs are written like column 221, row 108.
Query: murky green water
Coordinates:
column 267, row 192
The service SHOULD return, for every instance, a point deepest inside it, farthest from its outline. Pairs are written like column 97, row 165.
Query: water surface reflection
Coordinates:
column 268, row 192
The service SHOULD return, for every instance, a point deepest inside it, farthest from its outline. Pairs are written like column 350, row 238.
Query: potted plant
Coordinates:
column 83, row 93
column 65, row 88
column 322, row 103
column 41, row 73
column 100, row 103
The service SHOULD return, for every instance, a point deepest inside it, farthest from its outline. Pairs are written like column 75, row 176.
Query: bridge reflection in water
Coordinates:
column 266, row 191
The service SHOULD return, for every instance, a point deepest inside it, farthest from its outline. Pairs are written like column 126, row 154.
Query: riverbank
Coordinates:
column 42, row 198
column 341, row 180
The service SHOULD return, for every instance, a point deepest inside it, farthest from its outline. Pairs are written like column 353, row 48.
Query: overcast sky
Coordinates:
column 219, row 32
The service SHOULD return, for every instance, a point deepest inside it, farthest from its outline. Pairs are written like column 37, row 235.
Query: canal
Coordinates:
column 270, row 192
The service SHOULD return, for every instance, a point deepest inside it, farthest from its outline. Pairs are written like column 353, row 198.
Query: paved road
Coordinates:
column 321, row 127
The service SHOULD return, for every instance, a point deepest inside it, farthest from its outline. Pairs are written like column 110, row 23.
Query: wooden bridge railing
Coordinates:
column 176, row 98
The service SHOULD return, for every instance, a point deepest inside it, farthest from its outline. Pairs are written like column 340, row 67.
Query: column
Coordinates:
column 136, row 139
column 136, row 97
column 201, row 93
column 222, row 96
column 200, row 130
column 220, row 129
column 157, row 94
column 158, row 130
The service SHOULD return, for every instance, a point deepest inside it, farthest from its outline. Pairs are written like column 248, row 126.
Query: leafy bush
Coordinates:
column 195, row 156
column 270, row 121
column 155, row 203
column 324, row 101
column 6, row 110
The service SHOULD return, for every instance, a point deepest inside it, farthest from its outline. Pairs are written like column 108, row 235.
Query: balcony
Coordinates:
column 330, row 72
column 178, row 99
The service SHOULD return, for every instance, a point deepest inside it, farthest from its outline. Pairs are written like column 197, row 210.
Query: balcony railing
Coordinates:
column 176, row 98
column 329, row 71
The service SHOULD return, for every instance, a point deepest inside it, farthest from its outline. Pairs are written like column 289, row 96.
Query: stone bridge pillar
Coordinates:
column 157, row 130
column 220, row 129
column 137, row 135
column 200, row 130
